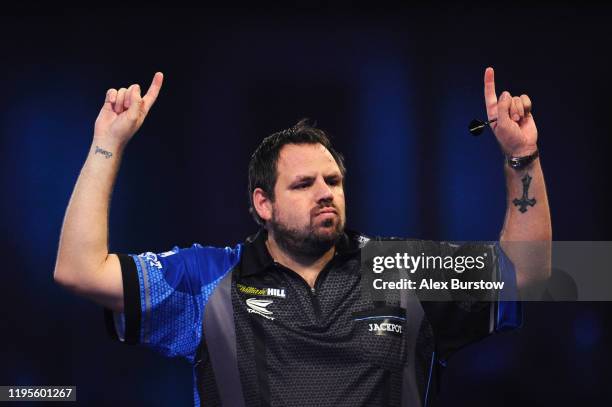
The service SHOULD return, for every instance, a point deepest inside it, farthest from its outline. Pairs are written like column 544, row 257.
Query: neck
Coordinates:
column 308, row 267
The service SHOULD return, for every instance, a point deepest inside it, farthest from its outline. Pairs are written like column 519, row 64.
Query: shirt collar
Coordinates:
column 256, row 258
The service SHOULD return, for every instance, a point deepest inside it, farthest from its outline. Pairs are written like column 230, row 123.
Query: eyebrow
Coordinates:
column 302, row 178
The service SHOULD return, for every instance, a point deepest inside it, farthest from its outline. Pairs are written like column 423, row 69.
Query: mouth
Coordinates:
column 326, row 217
column 326, row 212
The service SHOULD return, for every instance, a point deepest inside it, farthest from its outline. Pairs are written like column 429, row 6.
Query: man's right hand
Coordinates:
column 124, row 111
column 84, row 264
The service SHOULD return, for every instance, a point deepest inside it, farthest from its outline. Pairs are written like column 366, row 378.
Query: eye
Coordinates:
column 333, row 181
column 302, row 185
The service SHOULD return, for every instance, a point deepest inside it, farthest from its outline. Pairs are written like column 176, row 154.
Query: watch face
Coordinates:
column 519, row 162
column 515, row 162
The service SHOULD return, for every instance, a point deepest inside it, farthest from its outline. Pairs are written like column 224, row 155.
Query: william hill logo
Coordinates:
column 268, row 292
column 276, row 292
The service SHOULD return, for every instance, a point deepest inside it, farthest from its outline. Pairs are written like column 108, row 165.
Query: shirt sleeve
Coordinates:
column 476, row 314
column 165, row 295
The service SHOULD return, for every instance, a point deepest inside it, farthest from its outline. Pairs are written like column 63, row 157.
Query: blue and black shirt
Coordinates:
column 258, row 335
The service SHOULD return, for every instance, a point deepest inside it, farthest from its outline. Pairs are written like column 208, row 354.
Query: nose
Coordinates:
column 323, row 191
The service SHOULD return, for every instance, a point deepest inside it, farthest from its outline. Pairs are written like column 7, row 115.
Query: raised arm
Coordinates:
column 83, row 263
column 527, row 231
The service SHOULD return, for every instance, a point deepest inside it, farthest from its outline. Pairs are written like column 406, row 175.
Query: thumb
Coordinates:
column 503, row 107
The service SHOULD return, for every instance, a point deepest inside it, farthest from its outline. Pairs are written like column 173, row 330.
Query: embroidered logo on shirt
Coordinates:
column 270, row 292
column 362, row 240
column 382, row 321
column 258, row 306
column 381, row 329
column 151, row 258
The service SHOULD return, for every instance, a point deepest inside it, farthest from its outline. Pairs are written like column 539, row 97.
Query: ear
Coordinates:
column 262, row 204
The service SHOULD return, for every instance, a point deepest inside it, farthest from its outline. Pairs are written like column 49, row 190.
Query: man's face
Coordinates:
column 308, row 213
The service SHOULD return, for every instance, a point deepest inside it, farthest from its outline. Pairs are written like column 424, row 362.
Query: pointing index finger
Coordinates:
column 151, row 95
column 489, row 93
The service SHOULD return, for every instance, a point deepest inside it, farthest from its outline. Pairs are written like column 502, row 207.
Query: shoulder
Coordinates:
column 212, row 254
column 192, row 255
column 193, row 266
column 376, row 244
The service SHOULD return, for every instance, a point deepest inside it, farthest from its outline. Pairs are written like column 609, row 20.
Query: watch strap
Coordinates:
column 518, row 163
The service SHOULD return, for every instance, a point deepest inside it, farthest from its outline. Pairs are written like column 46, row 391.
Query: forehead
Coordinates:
column 305, row 159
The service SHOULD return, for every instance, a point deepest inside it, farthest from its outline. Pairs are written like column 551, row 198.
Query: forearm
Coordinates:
column 527, row 231
column 83, row 246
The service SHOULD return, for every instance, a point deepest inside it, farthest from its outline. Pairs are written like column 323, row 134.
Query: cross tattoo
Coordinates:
column 524, row 201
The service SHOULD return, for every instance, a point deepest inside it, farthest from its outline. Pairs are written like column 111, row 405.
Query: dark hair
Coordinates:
column 263, row 165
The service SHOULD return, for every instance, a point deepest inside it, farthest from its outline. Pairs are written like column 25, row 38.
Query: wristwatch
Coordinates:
column 518, row 163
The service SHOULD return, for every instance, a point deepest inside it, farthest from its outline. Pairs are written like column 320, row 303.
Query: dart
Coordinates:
column 476, row 126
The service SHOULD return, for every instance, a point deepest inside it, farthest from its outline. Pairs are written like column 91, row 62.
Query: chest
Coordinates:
column 336, row 324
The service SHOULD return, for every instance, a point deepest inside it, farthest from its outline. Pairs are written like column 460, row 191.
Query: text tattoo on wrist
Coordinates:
column 525, row 200
column 102, row 151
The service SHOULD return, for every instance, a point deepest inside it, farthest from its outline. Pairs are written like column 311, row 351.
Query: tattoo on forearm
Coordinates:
column 105, row 153
column 525, row 200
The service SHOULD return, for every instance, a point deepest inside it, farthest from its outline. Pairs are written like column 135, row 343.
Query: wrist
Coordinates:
column 522, row 151
column 106, row 150
column 521, row 162
column 108, row 143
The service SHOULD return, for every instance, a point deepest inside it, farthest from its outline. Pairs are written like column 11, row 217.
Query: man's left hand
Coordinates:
column 515, row 128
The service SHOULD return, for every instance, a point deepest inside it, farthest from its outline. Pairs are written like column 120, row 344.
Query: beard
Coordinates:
column 309, row 241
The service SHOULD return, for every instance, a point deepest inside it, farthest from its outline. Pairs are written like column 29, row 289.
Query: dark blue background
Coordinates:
column 395, row 87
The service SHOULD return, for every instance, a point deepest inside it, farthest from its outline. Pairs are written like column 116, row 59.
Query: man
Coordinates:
column 283, row 319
